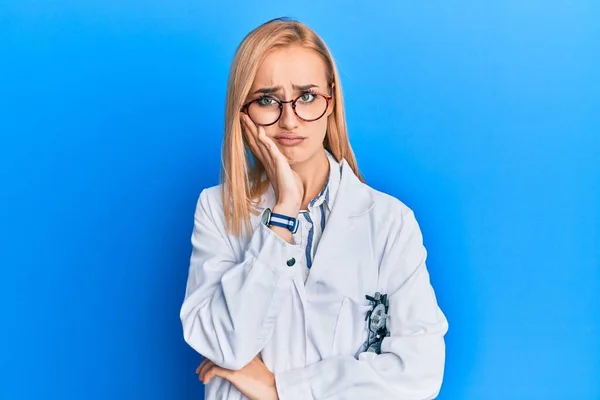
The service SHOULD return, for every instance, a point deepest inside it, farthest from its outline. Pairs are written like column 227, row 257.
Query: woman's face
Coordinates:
column 285, row 74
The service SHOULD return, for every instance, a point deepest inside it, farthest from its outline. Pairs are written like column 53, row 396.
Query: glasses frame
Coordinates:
column 293, row 102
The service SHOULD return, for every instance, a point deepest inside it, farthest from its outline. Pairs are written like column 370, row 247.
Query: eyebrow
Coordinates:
column 275, row 89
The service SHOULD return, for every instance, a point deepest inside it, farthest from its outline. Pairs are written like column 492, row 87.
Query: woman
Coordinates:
column 287, row 249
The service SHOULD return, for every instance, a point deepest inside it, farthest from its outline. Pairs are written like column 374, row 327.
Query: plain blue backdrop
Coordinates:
column 482, row 116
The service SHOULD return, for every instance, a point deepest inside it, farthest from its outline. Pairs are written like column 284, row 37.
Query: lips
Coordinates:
column 288, row 136
column 289, row 139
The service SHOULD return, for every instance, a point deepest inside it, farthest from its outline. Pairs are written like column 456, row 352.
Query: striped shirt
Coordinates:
column 313, row 220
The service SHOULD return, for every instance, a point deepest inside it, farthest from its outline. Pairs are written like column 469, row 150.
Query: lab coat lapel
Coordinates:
column 351, row 205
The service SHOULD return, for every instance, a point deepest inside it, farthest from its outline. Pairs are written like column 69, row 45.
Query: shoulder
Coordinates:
column 393, row 221
column 388, row 214
column 389, row 207
column 395, row 227
column 211, row 194
column 210, row 203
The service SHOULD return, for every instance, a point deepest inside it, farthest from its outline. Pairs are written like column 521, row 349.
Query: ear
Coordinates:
column 331, row 105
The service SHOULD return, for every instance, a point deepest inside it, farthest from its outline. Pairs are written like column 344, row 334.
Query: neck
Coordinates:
column 313, row 173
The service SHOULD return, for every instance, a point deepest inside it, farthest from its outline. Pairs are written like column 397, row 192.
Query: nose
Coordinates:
column 289, row 119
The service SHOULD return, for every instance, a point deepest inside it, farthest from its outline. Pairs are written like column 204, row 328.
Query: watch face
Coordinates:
column 266, row 217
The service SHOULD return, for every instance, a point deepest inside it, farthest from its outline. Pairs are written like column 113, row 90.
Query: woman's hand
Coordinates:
column 255, row 380
column 286, row 183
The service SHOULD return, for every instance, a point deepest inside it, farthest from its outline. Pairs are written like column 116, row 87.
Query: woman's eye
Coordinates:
column 266, row 101
column 307, row 97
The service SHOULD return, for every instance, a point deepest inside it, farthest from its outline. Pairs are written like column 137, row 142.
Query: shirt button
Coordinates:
column 291, row 262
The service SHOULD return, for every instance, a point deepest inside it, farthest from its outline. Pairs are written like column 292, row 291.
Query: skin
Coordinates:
column 255, row 380
column 297, row 173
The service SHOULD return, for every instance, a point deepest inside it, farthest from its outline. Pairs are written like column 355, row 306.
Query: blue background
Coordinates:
column 481, row 116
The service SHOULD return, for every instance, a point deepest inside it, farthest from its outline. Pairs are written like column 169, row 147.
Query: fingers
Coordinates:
column 205, row 370
column 269, row 145
column 211, row 373
column 259, row 147
column 203, row 367
column 251, row 134
column 250, row 131
column 208, row 370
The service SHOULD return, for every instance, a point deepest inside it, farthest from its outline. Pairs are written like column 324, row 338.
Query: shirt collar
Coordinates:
column 327, row 194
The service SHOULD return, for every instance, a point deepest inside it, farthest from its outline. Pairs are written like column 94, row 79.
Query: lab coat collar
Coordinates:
column 354, row 197
column 327, row 194
column 347, row 220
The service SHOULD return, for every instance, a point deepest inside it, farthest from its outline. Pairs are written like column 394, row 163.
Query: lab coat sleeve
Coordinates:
column 411, row 363
column 230, row 305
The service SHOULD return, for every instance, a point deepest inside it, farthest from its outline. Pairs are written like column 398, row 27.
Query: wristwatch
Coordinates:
column 269, row 218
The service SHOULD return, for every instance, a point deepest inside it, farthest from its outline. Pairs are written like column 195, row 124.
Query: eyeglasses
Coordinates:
column 266, row 110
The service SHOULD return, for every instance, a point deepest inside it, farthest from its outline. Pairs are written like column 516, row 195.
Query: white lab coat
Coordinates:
column 243, row 300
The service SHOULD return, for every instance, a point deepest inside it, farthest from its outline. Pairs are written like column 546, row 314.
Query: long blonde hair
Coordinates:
column 242, row 181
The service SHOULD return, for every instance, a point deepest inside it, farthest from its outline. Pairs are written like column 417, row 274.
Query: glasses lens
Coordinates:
column 264, row 111
column 311, row 106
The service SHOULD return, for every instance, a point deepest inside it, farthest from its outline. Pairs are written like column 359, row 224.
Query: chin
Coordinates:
column 298, row 154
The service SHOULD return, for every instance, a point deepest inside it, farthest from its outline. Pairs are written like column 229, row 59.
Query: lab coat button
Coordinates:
column 291, row 262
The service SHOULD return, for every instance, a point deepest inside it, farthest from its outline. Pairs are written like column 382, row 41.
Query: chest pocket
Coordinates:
column 351, row 330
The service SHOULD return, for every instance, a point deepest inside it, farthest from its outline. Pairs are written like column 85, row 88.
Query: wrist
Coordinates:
column 287, row 209
column 283, row 227
column 283, row 233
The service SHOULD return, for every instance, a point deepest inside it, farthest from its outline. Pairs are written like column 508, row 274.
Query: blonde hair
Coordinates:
column 243, row 182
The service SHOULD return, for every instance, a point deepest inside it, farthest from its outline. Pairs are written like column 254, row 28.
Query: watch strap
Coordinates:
column 284, row 221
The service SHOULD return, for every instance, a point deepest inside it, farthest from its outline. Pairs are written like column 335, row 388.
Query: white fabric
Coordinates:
column 242, row 300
